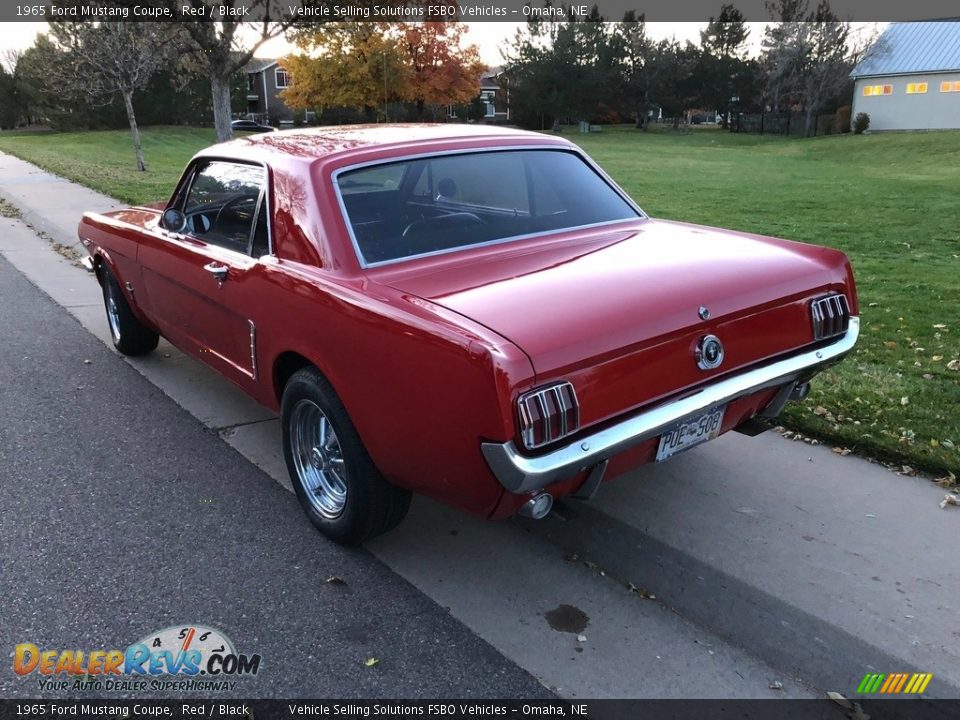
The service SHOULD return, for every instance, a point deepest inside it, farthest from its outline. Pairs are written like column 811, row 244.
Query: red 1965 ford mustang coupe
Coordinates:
column 476, row 314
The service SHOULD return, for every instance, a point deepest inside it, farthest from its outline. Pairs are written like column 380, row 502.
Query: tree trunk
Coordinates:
column 134, row 130
column 220, row 92
column 808, row 122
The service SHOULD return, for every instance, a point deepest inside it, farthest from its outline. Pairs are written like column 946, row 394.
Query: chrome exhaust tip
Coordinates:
column 800, row 391
column 537, row 507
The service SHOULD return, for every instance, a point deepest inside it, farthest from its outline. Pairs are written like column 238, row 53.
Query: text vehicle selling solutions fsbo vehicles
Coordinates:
column 472, row 313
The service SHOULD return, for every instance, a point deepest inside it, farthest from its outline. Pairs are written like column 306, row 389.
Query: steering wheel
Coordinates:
column 230, row 203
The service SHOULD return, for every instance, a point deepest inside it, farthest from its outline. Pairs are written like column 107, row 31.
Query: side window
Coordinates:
column 222, row 203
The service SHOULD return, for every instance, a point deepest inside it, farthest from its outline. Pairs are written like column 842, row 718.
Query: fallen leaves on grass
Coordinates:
column 953, row 365
column 842, row 451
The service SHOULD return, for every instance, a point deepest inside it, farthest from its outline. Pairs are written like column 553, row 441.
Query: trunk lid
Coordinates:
column 616, row 312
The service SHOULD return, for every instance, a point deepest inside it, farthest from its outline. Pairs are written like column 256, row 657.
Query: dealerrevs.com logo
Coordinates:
column 180, row 658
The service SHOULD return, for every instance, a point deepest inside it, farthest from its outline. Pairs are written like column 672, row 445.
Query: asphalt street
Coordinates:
column 121, row 514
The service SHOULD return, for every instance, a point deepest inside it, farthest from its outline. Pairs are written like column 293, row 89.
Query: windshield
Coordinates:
column 435, row 204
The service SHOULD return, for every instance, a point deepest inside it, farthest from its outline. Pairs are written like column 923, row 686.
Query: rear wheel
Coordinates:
column 337, row 484
column 130, row 336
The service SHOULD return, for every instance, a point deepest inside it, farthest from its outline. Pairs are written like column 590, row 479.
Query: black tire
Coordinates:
column 130, row 336
column 349, row 500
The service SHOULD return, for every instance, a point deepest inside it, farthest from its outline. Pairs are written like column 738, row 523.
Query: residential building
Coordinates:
column 265, row 81
column 910, row 78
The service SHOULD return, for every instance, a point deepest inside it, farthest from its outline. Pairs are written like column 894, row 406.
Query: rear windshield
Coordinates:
column 437, row 204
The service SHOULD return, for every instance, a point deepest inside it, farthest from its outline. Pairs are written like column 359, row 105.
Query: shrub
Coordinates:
column 860, row 123
column 843, row 119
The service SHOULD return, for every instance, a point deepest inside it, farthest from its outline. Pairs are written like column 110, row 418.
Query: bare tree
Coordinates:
column 9, row 59
column 112, row 58
column 219, row 50
column 808, row 56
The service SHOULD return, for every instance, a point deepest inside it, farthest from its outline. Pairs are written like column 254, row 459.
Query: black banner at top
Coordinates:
column 429, row 10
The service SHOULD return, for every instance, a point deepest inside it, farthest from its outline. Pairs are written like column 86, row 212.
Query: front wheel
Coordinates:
column 337, row 484
column 129, row 335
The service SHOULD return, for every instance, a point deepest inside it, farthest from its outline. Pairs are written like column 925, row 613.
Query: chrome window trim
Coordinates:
column 264, row 197
column 573, row 149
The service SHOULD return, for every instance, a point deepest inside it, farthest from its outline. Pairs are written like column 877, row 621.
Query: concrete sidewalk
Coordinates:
column 784, row 559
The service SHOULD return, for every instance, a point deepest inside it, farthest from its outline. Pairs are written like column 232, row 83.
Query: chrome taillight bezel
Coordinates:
column 548, row 414
column 830, row 316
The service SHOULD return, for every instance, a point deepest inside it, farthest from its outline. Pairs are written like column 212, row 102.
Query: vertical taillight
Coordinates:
column 830, row 316
column 548, row 414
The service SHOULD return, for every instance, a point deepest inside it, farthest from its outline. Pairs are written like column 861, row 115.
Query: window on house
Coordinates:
column 948, row 86
column 916, row 88
column 282, row 78
column 874, row 90
column 251, row 82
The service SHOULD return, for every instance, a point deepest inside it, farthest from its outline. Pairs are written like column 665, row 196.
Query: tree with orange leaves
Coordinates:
column 442, row 72
column 367, row 64
column 351, row 64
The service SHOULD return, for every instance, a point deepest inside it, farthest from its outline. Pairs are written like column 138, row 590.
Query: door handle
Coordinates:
column 218, row 271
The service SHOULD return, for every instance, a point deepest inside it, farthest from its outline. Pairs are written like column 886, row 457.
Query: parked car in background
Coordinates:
column 250, row 126
column 472, row 313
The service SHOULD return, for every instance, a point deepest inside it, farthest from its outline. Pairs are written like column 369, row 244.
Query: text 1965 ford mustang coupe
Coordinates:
column 476, row 314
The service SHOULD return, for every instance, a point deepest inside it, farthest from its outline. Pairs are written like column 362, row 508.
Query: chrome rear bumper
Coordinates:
column 518, row 473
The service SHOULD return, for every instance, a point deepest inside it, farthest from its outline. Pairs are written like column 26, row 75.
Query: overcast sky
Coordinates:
column 489, row 36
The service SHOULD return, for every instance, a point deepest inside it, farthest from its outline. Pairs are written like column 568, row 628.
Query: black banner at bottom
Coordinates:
column 904, row 709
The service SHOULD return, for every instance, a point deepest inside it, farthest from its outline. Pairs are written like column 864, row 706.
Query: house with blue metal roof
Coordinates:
column 910, row 78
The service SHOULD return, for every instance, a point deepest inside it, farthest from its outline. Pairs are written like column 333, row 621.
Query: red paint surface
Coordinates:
column 429, row 355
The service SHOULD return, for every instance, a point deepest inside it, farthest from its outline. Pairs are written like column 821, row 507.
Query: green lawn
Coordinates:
column 890, row 201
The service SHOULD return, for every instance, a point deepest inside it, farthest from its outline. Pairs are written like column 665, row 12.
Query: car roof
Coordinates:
column 310, row 144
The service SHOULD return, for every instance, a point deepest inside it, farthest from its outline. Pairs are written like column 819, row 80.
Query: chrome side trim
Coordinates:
column 518, row 473
column 253, row 350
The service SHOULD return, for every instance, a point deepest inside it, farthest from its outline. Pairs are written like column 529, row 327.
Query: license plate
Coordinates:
column 690, row 432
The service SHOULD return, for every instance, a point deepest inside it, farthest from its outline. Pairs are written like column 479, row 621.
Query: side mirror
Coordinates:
column 173, row 220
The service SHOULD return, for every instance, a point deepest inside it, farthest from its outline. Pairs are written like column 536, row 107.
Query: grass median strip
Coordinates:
column 887, row 200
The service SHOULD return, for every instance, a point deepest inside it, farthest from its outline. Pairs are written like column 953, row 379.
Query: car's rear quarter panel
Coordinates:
column 422, row 391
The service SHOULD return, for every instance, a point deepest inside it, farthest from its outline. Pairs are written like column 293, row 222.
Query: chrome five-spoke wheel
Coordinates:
column 113, row 315
column 129, row 335
column 336, row 481
column 318, row 459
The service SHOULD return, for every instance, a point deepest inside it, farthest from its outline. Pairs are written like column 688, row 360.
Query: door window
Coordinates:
column 223, row 207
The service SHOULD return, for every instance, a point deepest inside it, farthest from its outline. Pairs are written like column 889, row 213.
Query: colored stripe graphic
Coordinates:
column 894, row 684
column 901, row 682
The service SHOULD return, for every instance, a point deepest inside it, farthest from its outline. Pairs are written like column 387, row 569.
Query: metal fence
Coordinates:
column 792, row 124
